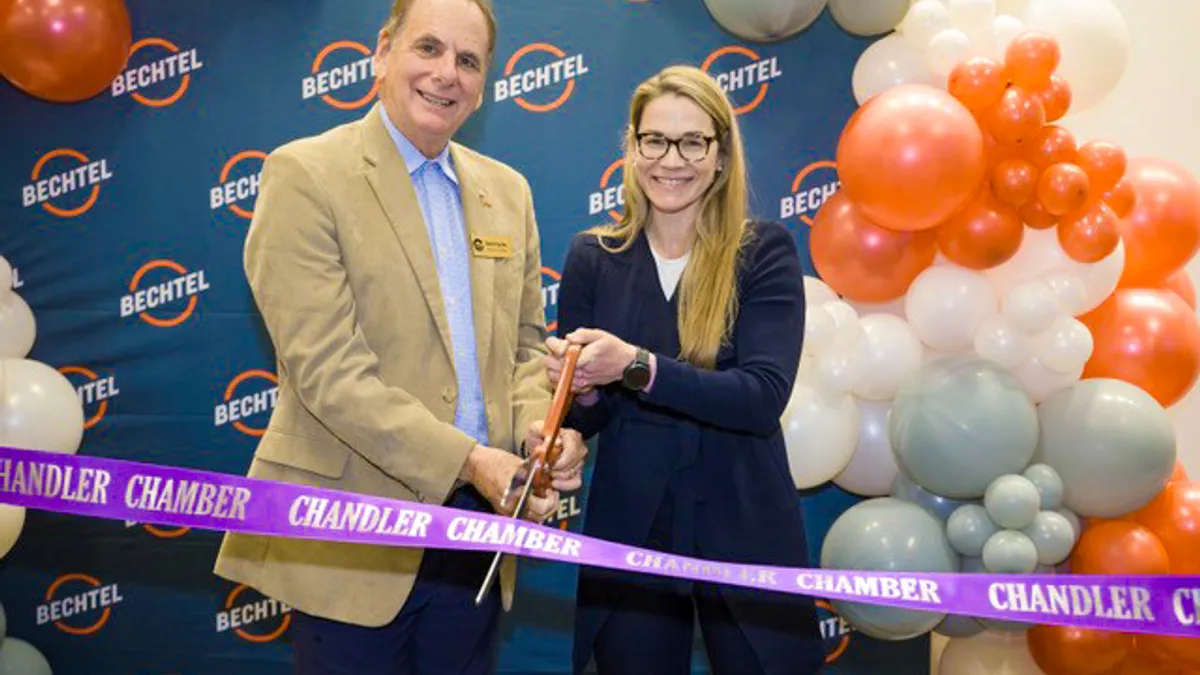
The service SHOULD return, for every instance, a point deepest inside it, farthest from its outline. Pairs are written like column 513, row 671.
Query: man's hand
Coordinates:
column 491, row 471
column 567, row 473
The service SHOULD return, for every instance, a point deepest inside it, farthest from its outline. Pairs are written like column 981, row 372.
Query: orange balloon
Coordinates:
column 1014, row 181
column 1031, row 59
column 1179, row 475
column 1062, row 188
column 1090, row 234
column 1180, row 284
column 997, row 153
column 1068, row 650
column 1017, row 118
column 910, row 157
column 1142, row 661
column 1174, row 518
column 1036, row 216
column 1162, row 232
column 1121, row 198
column 1103, row 162
column 861, row 260
column 1174, row 651
column 1055, row 98
column 63, row 50
column 983, row 234
column 1118, row 547
column 1147, row 337
column 977, row 83
column 1051, row 145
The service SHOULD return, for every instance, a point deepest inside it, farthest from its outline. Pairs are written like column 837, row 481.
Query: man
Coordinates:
column 398, row 274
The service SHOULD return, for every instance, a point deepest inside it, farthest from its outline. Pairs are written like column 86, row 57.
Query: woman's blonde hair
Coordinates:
column 708, row 289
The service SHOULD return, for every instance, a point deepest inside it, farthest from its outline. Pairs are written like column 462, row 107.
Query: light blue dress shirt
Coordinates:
column 437, row 190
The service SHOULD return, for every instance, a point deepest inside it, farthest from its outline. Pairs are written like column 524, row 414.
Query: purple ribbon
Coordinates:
column 148, row 493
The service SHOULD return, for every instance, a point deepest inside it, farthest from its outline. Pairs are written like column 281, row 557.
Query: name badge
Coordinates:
column 491, row 247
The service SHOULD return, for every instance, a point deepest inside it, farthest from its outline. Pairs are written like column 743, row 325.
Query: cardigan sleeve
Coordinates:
column 576, row 300
column 767, row 338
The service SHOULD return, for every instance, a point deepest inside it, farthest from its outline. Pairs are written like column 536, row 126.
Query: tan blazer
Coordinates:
column 340, row 264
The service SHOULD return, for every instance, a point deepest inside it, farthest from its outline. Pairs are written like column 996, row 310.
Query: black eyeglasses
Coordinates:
column 692, row 147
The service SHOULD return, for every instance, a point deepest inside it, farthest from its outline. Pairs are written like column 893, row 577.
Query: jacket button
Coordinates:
column 448, row 395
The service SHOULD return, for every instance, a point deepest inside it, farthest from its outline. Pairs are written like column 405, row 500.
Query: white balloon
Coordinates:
column 889, row 62
column 838, row 369
column 1065, row 347
column 817, row 292
column 6, row 276
column 819, row 329
column 1005, row 29
column 12, row 521
column 893, row 307
column 888, row 356
column 925, row 19
column 1014, row 8
column 18, row 657
column 765, row 20
column 845, row 318
column 820, row 433
column 997, row 341
column 872, row 467
column 1041, row 254
column 947, row 49
column 946, row 304
column 868, row 17
column 973, row 17
column 39, row 409
column 1094, row 41
column 1069, row 290
column 18, row 329
column 1040, row 382
column 1031, row 306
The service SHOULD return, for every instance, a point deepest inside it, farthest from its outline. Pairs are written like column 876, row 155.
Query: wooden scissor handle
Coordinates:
column 552, row 425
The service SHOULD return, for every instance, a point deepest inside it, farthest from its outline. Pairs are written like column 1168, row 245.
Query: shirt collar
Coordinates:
column 413, row 158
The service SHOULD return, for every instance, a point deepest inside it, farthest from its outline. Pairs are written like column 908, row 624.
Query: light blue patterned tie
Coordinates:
column 447, row 233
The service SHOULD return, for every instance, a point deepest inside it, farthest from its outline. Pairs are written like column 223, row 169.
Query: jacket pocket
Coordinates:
column 302, row 453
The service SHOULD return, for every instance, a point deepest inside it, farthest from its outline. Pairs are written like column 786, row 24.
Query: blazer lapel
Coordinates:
column 479, row 220
column 393, row 188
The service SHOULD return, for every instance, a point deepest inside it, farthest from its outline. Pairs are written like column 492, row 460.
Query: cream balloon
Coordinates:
column 998, row 341
column 945, row 51
column 1005, row 29
column 18, row 329
column 1039, row 382
column 889, row 62
column 838, row 369
column 973, row 17
column 819, row 329
column 12, row 521
column 1031, row 306
column 872, row 467
column 893, row 307
column 925, row 19
column 39, row 409
column 888, row 356
column 1065, row 347
column 6, row 276
column 868, row 17
column 820, row 433
column 1094, row 41
column 1040, row 254
column 988, row 653
column 1017, row 9
column 764, row 20
column 817, row 292
column 946, row 304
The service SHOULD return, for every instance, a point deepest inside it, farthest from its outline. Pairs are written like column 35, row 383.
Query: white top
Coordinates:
column 669, row 271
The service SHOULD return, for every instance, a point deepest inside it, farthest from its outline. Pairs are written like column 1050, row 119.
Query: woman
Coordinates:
column 691, row 320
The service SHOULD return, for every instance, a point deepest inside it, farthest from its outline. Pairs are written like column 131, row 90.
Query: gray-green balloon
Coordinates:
column 969, row 528
column 1049, row 484
column 903, row 488
column 21, row 658
column 886, row 534
column 1110, row 441
column 961, row 423
column 1010, row 552
column 1012, row 501
column 1052, row 535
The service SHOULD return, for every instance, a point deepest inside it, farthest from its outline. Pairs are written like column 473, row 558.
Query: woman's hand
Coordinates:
column 603, row 359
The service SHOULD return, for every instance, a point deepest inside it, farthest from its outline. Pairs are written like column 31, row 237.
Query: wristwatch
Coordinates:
column 637, row 373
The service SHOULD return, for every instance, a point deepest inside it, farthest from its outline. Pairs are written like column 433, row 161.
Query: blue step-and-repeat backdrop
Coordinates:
column 133, row 269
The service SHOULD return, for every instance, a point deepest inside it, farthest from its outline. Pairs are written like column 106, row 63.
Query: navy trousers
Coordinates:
column 439, row 631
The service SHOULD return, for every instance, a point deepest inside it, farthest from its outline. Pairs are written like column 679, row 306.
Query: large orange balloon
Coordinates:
column 861, row 260
column 982, row 234
column 1121, row 198
column 63, row 50
column 1162, row 232
column 1174, row 518
column 1180, row 284
column 1118, row 547
column 1068, row 650
column 1147, row 337
column 910, row 157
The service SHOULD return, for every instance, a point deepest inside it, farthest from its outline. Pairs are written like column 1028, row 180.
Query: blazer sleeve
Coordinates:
column 768, row 335
column 531, row 389
column 576, row 300
column 294, row 266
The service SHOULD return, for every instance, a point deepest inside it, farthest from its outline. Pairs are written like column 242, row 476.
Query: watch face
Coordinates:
column 637, row 377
